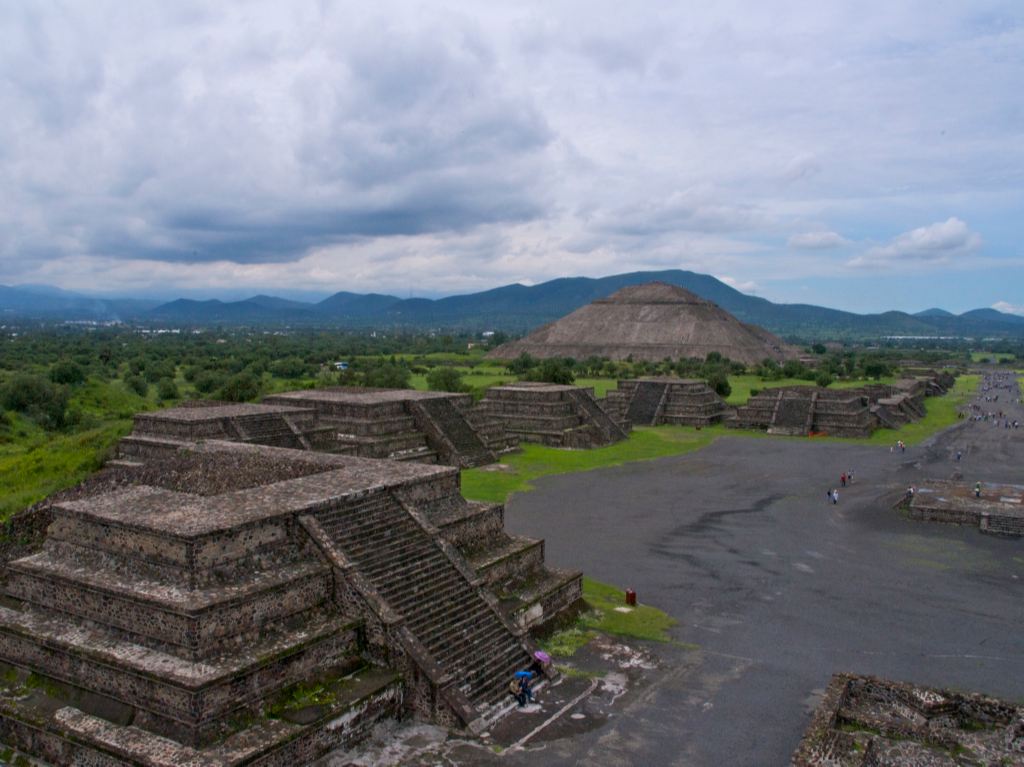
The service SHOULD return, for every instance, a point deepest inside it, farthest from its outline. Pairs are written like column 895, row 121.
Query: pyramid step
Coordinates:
column 184, row 698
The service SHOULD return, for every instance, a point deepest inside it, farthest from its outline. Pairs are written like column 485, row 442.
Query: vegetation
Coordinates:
column 519, row 470
column 605, row 614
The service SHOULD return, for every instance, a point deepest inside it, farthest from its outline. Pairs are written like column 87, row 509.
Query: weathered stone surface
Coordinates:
column 864, row 721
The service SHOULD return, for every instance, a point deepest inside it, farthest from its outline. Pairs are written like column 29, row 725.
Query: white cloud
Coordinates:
column 933, row 245
column 747, row 286
column 1008, row 308
column 817, row 240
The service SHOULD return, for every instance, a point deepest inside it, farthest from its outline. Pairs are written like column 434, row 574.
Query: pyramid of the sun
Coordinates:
column 649, row 322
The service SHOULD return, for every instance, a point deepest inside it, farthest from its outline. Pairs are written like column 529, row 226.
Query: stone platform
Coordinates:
column 999, row 510
column 401, row 424
column 551, row 414
column 157, row 626
column 864, row 721
column 656, row 401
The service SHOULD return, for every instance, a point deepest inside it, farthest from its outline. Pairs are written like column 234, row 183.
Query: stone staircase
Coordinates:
column 597, row 418
column 417, row 578
column 450, row 433
column 646, row 403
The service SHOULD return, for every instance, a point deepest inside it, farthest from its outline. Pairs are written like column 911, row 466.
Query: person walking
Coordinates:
column 842, row 479
column 835, row 497
column 977, row 490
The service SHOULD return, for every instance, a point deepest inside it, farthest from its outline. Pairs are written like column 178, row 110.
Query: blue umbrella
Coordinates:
column 523, row 673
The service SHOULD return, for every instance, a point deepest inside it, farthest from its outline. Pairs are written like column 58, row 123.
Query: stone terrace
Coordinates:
column 801, row 410
column 655, row 401
column 400, row 423
column 169, row 627
column 868, row 722
column 999, row 510
column 551, row 414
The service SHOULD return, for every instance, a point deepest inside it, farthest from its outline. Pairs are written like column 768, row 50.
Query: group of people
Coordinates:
column 521, row 686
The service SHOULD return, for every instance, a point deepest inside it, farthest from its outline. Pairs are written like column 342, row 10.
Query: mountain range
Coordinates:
column 512, row 308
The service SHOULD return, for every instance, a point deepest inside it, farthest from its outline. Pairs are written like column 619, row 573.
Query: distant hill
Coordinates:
column 514, row 308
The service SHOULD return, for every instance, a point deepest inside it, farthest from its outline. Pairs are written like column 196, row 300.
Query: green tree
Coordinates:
column 137, row 384
column 37, row 398
column 522, row 364
column 67, row 372
column 166, row 389
column 556, row 371
column 824, row 379
column 239, row 388
column 445, row 378
column 720, row 383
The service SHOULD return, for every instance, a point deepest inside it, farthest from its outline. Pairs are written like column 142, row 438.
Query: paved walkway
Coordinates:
column 777, row 587
column 780, row 588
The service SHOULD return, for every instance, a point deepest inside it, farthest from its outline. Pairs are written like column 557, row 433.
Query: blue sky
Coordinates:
column 864, row 156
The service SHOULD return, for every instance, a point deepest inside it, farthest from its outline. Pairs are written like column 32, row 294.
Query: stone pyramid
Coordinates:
column 649, row 322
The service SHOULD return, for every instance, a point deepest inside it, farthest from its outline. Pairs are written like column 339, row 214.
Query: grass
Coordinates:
column 602, row 617
column 992, row 356
column 44, row 464
column 519, row 470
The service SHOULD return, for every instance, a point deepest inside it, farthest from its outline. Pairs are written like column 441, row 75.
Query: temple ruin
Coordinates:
column 803, row 410
column 212, row 602
column 651, row 322
column 656, row 401
column 864, row 721
column 552, row 414
column 401, row 424
column 995, row 508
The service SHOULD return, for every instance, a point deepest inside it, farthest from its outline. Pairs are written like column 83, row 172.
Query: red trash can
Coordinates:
column 631, row 597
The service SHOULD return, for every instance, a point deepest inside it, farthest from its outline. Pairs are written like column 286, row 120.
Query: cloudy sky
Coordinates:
column 860, row 155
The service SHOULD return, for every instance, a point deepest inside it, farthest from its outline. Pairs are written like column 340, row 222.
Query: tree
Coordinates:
column 824, row 379
column 167, row 389
column 556, row 371
column 67, row 372
column 444, row 378
column 720, row 383
column 137, row 384
column 239, row 388
column 39, row 399
column 522, row 364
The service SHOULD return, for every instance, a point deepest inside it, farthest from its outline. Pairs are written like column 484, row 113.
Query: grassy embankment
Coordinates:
column 605, row 615
column 35, row 463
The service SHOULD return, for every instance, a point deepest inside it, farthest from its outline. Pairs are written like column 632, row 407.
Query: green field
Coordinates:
column 992, row 357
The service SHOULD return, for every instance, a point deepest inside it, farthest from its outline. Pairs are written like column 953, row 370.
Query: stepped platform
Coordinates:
column 399, row 423
column 279, row 426
column 864, row 721
column 999, row 510
column 178, row 601
column 656, row 401
column 552, row 414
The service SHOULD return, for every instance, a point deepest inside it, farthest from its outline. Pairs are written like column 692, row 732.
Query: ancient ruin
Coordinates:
column 991, row 507
column 221, row 602
column 656, row 401
column 864, row 721
column 649, row 322
column 803, row 410
column 401, row 424
column 552, row 414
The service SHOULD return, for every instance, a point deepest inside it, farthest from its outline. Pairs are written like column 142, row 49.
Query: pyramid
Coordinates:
column 649, row 322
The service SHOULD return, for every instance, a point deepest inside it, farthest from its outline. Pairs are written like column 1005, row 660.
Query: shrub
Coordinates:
column 67, row 372
column 240, row 388
column 37, row 398
column 824, row 379
column 208, row 381
column 167, row 389
column 289, row 367
column 444, row 378
column 137, row 384
column 556, row 371
column 720, row 383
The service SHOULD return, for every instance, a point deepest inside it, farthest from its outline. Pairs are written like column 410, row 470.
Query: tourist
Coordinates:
column 520, row 688
column 977, row 490
column 835, row 497
column 849, row 477
column 958, row 454
column 842, row 479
